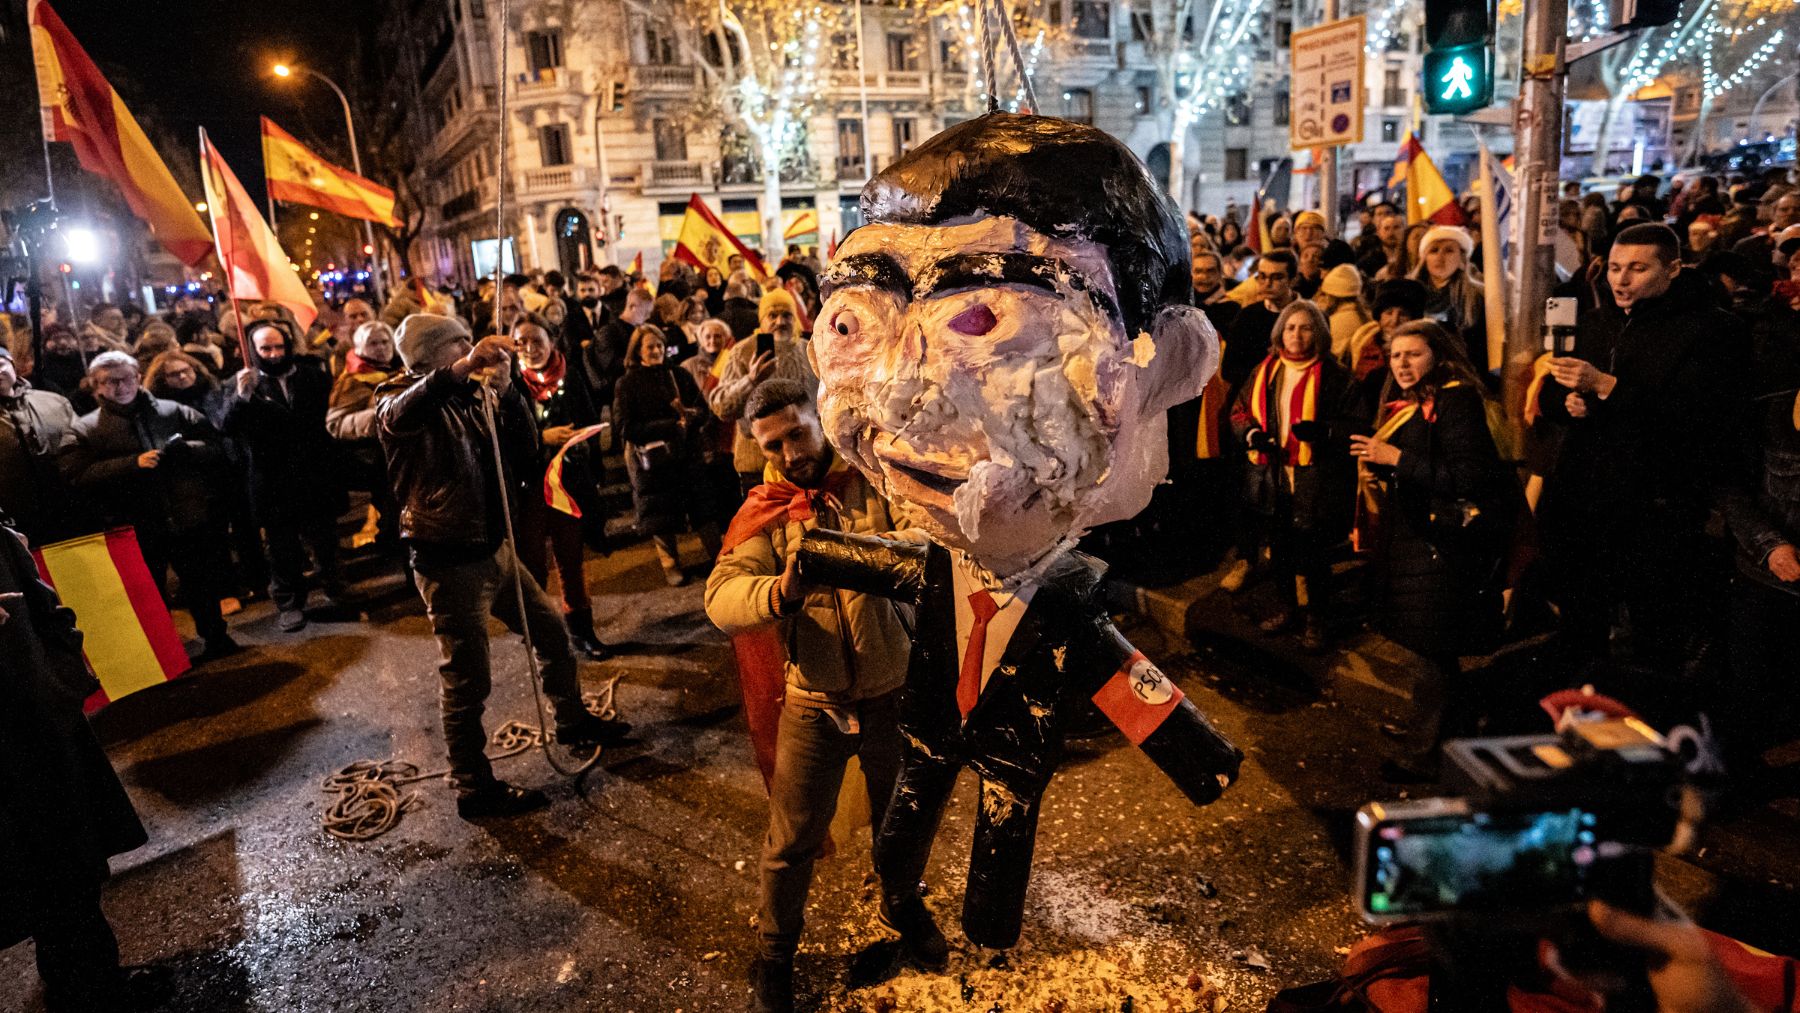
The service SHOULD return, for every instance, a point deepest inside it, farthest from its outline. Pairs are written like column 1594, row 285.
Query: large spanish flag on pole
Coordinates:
column 705, row 242
column 128, row 637
column 81, row 108
column 298, row 176
column 253, row 258
column 1428, row 197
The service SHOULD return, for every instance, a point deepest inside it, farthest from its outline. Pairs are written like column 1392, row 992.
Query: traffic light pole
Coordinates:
column 1538, row 149
column 1326, row 168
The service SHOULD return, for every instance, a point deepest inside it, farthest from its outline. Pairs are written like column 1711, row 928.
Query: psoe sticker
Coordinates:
column 1148, row 683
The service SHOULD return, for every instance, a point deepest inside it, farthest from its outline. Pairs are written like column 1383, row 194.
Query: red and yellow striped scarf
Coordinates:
column 1303, row 406
column 1207, row 445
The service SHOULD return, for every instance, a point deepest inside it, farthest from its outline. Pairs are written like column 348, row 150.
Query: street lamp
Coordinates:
column 283, row 70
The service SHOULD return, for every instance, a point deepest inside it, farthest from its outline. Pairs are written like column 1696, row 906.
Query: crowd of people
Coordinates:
column 1644, row 512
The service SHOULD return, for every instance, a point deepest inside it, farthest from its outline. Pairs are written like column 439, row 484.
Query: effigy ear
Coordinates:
column 1184, row 356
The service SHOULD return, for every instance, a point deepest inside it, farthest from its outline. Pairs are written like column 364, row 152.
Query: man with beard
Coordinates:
column 745, row 368
column 846, row 662
column 587, row 293
column 62, row 367
column 276, row 411
column 605, row 354
column 33, row 425
column 156, row 465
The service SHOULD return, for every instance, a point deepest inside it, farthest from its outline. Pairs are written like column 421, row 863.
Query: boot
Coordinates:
column 772, row 985
column 921, row 940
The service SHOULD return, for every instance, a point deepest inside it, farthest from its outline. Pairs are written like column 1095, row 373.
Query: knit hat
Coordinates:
column 1404, row 293
column 1305, row 217
column 777, row 299
column 1342, row 282
column 422, row 335
column 1459, row 236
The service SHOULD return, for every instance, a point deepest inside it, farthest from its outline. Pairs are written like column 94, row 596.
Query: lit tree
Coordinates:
column 766, row 63
column 1202, row 53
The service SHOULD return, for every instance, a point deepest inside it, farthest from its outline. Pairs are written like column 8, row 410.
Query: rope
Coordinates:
column 987, row 59
column 369, row 802
column 1012, row 43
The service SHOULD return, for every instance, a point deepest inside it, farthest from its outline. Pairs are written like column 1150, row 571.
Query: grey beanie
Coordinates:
column 421, row 335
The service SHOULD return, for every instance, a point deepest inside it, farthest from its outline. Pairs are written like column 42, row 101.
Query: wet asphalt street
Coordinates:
column 635, row 890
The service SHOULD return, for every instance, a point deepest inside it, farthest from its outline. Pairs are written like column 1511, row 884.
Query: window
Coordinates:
column 1237, row 109
column 906, row 132
column 671, row 140
column 553, row 144
column 1145, row 100
column 659, row 44
column 715, row 54
column 1284, row 32
column 950, row 56
column 1393, row 93
column 843, row 51
column 1078, row 105
column 902, row 53
column 1390, row 130
column 850, row 149
column 1237, row 164
column 1091, row 19
column 1282, row 107
column 543, row 51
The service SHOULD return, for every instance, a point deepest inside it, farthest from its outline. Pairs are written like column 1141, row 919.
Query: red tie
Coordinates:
column 968, row 686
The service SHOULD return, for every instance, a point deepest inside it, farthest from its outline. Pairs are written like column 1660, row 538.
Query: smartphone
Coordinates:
column 1559, row 325
column 1433, row 858
column 765, row 343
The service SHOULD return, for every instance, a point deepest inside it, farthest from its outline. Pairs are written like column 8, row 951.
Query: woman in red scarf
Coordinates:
column 1294, row 417
column 563, row 408
column 1442, row 505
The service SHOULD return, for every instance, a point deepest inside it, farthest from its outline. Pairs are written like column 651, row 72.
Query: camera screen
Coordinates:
column 1479, row 862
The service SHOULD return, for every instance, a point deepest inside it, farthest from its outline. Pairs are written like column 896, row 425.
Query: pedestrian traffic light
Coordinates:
column 1459, row 79
column 1458, row 75
column 615, row 96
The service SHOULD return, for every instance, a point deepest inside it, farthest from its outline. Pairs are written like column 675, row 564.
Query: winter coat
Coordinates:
column 1317, row 497
column 572, row 403
column 1445, row 512
column 842, row 644
column 643, row 413
column 440, row 457
column 350, row 412
column 33, row 426
column 63, row 812
column 1762, row 497
column 1659, row 444
column 182, row 493
column 292, row 461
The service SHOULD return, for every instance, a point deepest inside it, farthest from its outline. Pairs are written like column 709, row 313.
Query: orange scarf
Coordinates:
column 775, row 501
column 1303, row 406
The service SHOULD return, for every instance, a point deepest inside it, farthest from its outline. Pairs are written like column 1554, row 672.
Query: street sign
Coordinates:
column 1326, row 94
column 1458, row 79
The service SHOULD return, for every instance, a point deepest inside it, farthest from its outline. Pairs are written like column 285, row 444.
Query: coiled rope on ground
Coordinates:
column 369, row 801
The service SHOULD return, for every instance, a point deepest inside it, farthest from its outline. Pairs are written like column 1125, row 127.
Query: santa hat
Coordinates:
column 1459, row 236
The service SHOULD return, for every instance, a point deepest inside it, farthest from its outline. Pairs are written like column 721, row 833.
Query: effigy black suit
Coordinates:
column 1064, row 649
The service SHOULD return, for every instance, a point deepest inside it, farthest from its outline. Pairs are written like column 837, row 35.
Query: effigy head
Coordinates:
column 997, row 346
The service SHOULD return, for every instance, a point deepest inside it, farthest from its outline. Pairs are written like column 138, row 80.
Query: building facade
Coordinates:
column 613, row 119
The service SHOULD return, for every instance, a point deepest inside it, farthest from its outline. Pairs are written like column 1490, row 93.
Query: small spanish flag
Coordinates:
column 255, row 264
column 637, row 265
column 130, row 641
column 804, row 222
column 298, row 176
column 556, row 494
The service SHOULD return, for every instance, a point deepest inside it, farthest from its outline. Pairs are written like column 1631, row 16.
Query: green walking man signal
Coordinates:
column 1459, row 79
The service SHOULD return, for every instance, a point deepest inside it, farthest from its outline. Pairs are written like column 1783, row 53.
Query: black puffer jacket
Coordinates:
column 183, row 493
column 293, row 462
column 440, row 457
column 1445, row 511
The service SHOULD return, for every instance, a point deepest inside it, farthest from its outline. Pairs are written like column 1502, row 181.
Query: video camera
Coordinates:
column 1541, row 824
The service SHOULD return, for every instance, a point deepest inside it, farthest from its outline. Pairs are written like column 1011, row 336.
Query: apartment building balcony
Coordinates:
column 662, row 80
column 475, row 119
column 884, row 83
column 477, row 199
column 677, row 176
column 554, row 180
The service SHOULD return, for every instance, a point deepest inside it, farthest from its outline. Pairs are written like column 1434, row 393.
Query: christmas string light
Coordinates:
column 1386, row 28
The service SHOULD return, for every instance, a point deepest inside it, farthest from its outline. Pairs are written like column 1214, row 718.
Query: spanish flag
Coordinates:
column 253, row 258
column 1428, row 197
column 556, row 493
column 298, row 176
column 804, row 222
column 705, row 242
column 129, row 639
column 637, row 265
column 81, row 108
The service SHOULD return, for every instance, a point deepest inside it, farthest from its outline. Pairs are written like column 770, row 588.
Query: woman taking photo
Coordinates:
column 659, row 412
column 561, row 406
column 1293, row 417
column 1438, row 504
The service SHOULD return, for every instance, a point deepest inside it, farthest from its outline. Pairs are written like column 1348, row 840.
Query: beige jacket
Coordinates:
column 735, row 384
column 841, row 646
